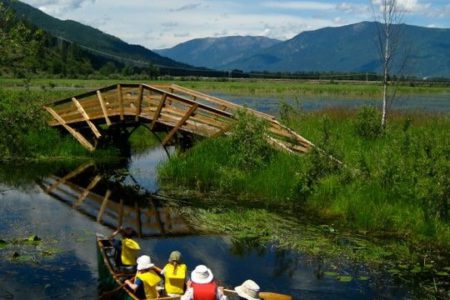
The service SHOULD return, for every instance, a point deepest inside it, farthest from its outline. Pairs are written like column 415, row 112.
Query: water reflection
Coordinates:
column 70, row 204
column 113, row 205
column 434, row 103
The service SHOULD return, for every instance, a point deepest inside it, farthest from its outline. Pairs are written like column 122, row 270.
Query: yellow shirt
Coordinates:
column 174, row 283
column 130, row 251
column 150, row 280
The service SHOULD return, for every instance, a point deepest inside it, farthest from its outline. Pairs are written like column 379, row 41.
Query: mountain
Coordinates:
column 90, row 38
column 353, row 48
column 217, row 52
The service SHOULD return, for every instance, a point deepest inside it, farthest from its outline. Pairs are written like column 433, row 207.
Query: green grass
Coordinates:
column 396, row 183
column 25, row 134
column 277, row 88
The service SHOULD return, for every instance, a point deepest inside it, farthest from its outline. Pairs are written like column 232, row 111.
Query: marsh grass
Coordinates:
column 396, row 182
column 25, row 134
column 234, row 86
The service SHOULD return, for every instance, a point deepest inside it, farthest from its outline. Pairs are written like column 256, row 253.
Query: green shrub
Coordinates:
column 368, row 123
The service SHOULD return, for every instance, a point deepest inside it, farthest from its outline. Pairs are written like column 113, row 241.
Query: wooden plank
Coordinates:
column 139, row 103
column 86, row 117
column 189, row 101
column 78, row 136
column 87, row 190
column 182, row 121
column 120, row 97
column 158, row 110
column 218, row 101
column 102, row 104
column 72, row 174
column 104, row 204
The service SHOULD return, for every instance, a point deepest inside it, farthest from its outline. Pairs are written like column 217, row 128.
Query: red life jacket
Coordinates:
column 206, row 291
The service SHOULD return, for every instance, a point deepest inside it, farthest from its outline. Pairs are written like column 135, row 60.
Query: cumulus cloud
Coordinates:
column 300, row 5
column 187, row 7
column 407, row 6
column 57, row 7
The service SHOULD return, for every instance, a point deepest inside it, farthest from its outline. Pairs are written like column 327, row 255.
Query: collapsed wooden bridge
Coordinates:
column 172, row 109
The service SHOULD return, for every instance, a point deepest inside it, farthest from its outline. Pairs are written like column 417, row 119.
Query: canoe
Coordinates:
column 114, row 279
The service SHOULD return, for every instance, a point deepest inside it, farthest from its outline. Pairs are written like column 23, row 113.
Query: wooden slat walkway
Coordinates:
column 172, row 107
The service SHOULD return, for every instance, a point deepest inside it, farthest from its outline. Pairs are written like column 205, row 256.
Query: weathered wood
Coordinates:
column 167, row 105
column 139, row 103
column 72, row 174
column 86, row 191
column 104, row 110
column 182, row 121
column 120, row 96
column 78, row 136
column 103, row 207
column 86, row 118
column 158, row 110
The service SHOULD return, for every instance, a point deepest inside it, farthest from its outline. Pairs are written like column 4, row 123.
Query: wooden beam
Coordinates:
column 180, row 123
column 86, row 117
column 72, row 174
column 120, row 97
column 78, row 136
column 104, row 204
column 87, row 190
column 139, row 103
column 158, row 110
column 105, row 111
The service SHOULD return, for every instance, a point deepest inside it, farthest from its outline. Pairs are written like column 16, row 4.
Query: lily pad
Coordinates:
column 447, row 269
column 442, row 273
column 329, row 273
column 3, row 244
column 344, row 278
column 394, row 271
column 416, row 270
column 363, row 278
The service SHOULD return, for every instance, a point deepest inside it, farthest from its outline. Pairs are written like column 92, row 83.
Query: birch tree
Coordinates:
column 388, row 15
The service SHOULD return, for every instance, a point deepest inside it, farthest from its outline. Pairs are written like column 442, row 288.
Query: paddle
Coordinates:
column 264, row 295
column 108, row 294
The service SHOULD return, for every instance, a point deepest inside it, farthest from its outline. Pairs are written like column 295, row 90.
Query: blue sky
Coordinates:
column 165, row 23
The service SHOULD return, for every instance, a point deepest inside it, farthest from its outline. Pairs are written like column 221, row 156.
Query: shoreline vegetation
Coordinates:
column 394, row 184
column 243, row 87
column 397, row 183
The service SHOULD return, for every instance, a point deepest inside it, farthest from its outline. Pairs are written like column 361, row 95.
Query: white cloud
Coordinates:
column 58, row 7
column 300, row 5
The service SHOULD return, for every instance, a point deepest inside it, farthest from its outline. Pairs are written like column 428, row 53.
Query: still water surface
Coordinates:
column 433, row 103
column 52, row 205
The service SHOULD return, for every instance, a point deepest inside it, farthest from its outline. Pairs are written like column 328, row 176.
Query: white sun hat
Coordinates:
column 202, row 274
column 248, row 290
column 144, row 262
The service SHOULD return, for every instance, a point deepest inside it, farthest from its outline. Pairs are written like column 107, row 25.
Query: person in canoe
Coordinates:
column 146, row 279
column 248, row 290
column 127, row 249
column 202, row 286
column 174, row 272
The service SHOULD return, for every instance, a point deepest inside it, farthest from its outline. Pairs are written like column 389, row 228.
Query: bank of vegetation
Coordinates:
column 25, row 134
column 395, row 183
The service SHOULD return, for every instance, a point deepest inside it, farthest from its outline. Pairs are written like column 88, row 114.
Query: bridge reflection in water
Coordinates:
column 113, row 204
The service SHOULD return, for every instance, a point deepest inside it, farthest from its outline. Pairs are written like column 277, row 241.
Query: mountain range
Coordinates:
column 217, row 53
column 423, row 52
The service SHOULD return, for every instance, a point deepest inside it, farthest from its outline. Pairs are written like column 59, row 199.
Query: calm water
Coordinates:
column 51, row 204
column 435, row 103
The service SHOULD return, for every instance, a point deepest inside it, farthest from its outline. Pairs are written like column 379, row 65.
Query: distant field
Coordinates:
column 237, row 86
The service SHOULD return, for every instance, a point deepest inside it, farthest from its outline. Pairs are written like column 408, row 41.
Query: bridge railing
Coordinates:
column 173, row 106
